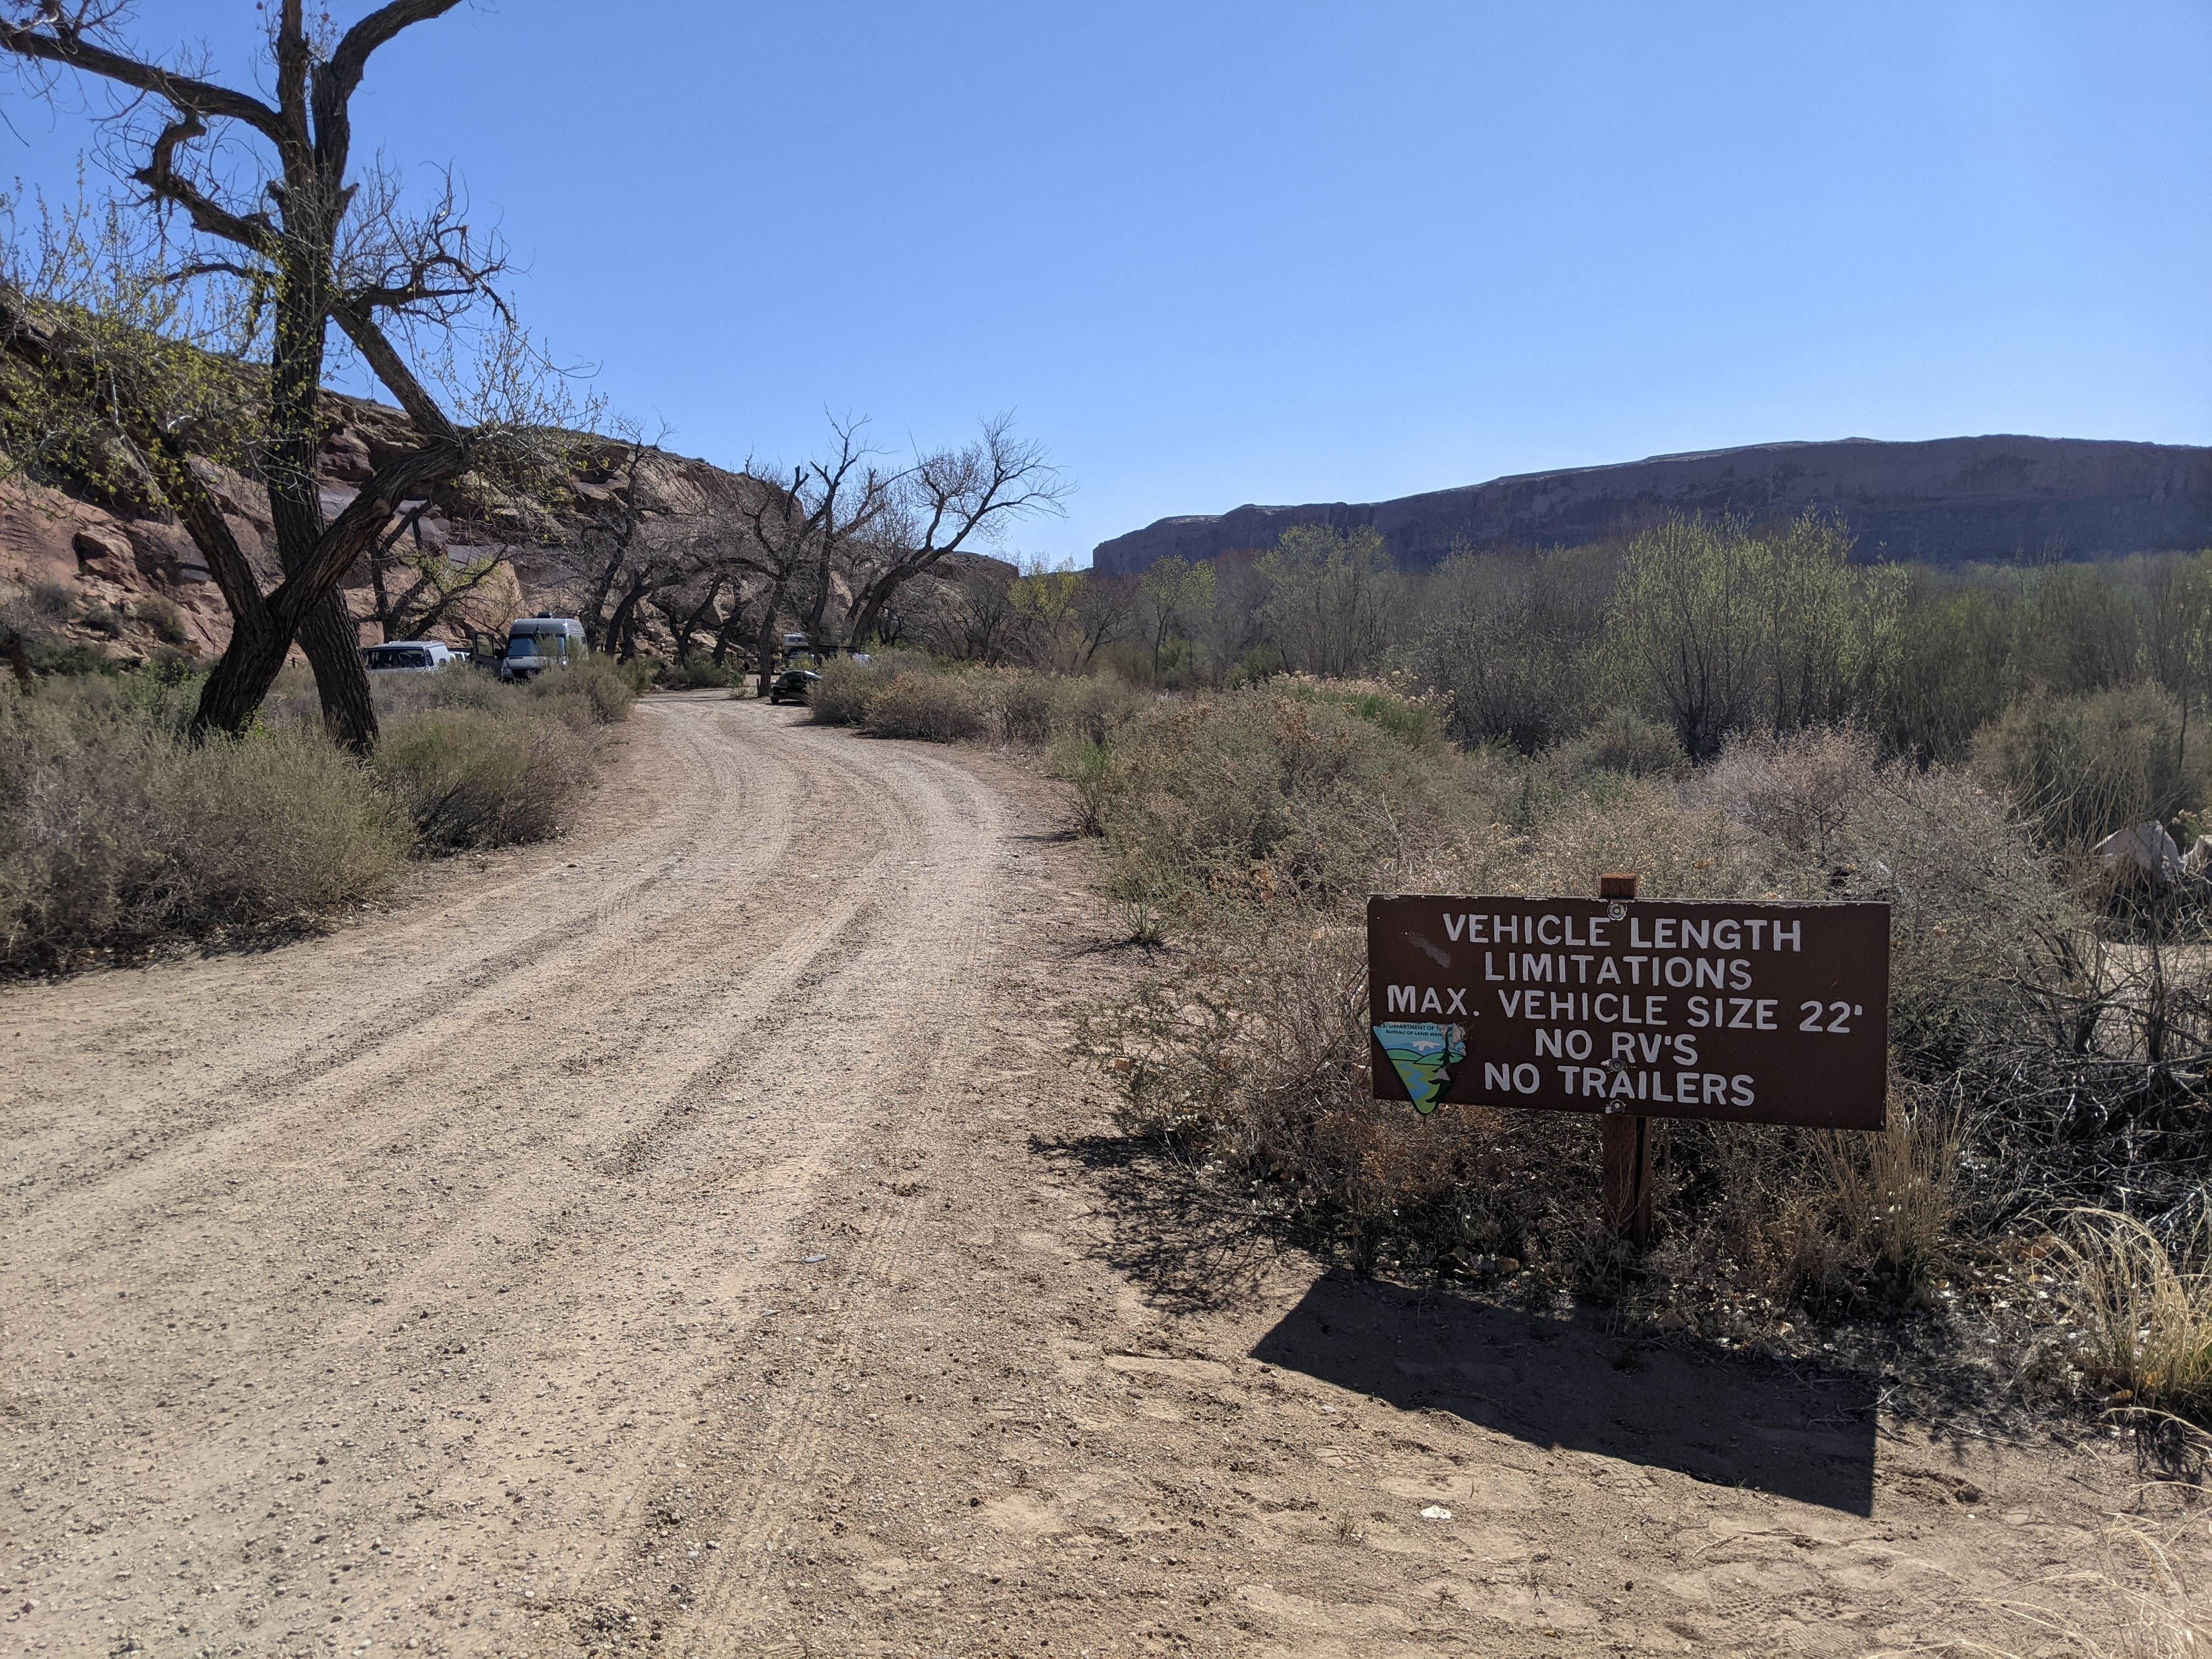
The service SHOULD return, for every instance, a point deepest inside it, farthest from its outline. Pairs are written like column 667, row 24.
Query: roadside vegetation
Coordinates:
column 119, row 835
column 1792, row 725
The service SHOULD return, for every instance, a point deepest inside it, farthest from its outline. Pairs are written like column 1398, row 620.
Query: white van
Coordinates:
column 535, row 644
column 406, row 656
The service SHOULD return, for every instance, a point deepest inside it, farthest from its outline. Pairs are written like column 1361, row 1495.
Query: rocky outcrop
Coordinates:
column 122, row 578
column 1943, row 501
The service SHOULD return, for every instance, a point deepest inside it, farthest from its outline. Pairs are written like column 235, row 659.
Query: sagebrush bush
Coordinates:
column 1270, row 791
column 1624, row 741
column 1037, row 709
column 933, row 708
column 164, row 618
column 849, row 684
column 594, row 692
column 2083, row 767
column 116, row 834
column 473, row 778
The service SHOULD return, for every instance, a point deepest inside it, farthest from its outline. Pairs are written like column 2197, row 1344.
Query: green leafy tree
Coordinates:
column 1331, row 591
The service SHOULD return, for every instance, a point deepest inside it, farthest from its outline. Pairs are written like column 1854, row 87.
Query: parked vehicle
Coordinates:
column 535, row 644
column 793, row 685
column 406, row 656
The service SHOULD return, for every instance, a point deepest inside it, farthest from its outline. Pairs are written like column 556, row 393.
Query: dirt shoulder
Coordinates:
column 695, row 1239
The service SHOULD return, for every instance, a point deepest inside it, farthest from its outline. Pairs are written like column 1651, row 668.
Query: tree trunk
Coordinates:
column 333, row 648
column 766, row 659
column 240, row 680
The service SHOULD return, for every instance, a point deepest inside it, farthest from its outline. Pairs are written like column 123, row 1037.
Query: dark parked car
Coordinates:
column 793, row 685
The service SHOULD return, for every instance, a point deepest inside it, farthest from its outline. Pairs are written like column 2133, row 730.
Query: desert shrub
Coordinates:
column 1037, row 709
column 473, row 778
column 697, row 674
column 399, row 696
column 932, row 706
column 595, row 692
column 2084, row 766
column 1093, row 772
column 105, row 621
column 1251, row 1053
column 1409, row 716
column 1624, row 741
column 1096, row 709
column 1819, row 1219
column 116, row 835
column 1030, row 706
column 1270, row 792
column 50, row 598
column 849, row 684
column 164, row 618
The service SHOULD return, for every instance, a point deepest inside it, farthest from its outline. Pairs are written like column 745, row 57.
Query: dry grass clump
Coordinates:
column 2150, row 1594
column 1817, row 1219
column 2144, row 1304
column 116, row 834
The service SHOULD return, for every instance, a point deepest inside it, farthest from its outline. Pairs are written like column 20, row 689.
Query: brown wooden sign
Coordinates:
column 1749, row 1013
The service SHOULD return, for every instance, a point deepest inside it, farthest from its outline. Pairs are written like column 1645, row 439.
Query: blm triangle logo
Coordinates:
column 1423, row 1053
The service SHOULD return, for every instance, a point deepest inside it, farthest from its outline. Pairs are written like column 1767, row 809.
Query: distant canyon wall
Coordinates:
column 1943, row 501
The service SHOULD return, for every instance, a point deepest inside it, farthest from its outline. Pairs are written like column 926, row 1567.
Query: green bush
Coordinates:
column 1621, row 740
column 595, row 692
column 932, row 707
column 473, row 778
column 697, row 674
column 2083, row 767
column 1093, row 770
column 1280, row 790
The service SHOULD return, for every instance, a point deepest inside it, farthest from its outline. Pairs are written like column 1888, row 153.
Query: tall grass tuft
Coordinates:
column 2145, row 1305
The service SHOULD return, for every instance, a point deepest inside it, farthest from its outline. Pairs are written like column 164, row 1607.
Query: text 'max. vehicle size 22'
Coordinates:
column 535, row 644
column 406, row 656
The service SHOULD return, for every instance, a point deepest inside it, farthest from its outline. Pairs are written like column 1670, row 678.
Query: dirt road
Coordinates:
column 693, row 1239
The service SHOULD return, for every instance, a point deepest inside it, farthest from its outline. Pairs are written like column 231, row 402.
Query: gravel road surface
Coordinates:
column 694, row 1238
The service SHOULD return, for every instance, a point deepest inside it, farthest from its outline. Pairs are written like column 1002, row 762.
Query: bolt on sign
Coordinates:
column 1747, row 1013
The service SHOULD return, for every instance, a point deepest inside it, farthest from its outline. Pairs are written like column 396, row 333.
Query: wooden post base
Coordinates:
column 1626, row 1142
column 1626, row 1146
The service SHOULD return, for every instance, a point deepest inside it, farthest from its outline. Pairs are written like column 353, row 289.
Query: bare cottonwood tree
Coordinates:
column 804, row 537
column 950, row 499
column 279, row 215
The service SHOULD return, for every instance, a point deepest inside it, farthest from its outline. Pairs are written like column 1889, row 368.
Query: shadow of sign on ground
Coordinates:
column 1563, row 1382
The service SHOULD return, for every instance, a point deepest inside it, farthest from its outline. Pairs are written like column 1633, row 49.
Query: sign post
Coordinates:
column 1633, row 1009
column 1625, row 1140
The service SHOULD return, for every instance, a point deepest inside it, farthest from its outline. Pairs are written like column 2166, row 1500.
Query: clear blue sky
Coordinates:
column 1213, row 254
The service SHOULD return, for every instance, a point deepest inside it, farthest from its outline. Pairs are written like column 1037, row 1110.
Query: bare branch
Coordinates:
column 62, row 41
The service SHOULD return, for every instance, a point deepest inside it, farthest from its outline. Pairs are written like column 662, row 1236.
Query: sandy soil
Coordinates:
column 693, row 1238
